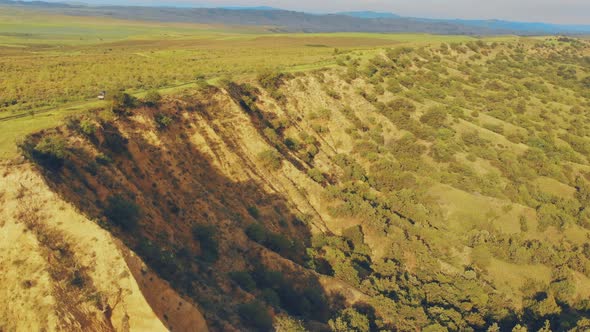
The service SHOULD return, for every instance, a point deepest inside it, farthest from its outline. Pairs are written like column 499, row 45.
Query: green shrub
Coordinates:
column 316, row 175
column 379, row 90
column 497, row 128
column 435, row 117
column 472, row 138
column 206, row 235
column 271, row 297
column 567, row 73
column 162, row 121
column 122, row 212
column 271, row 80
column 272, row 136
column 352, row 169
column 284, row 323
column 278, row 242
column 270, row 159
column 50, row 152
column 253, row 211
column 255, row 314
column 201, row 81
column 292, row 144
column 122, row 102
column 356, row 239
column 407, row 147
column 87, row 127
column 332, row 94
column 256, row 232
column 244, row 280
column 164, row 262
column 323, row 114
column 443, row 152
column 78, row 279
column 152, row 98
column 273, row 241
column 114, row 140
column 103, row 160
column 350, row 320
column 393, row 86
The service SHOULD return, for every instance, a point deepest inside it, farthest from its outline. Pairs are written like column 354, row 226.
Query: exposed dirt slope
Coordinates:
column 60, row 271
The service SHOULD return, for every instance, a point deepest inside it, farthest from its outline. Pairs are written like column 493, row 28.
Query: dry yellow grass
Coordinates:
column 509, row 278
column 465, row 211
column 554, row 187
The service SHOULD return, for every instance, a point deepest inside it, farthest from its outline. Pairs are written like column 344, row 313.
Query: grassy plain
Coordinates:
column 55, row 65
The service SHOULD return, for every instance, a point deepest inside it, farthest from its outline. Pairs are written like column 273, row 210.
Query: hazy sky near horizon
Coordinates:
column 553, row 11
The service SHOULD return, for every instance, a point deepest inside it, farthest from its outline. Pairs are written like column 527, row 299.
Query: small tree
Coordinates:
column 284, row 323
column 162, row 121
column 87, row 127
column 316, row 175
column 256, row 233
column 270, row 79
column 256, row 315
column 152, row 98
column 50, row 152
column 122, row 102
column 205, row 234
column 435, row 117
column 350, row 320
column 270, row 159
column 244, row 280
column 122, row 212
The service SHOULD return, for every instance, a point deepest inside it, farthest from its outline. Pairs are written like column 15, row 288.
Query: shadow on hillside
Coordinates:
column 197, row 228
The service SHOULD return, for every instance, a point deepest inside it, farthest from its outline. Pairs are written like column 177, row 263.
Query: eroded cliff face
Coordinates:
column 60, row 271
column 194, row 170
column 322, row 197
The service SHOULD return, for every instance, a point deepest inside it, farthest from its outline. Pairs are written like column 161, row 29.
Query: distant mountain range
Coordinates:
column 544, row 28
column 369, row 14
column 528, row 27
column 291, row 21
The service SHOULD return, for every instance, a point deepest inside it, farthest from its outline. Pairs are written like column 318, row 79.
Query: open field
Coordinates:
column 55, row 65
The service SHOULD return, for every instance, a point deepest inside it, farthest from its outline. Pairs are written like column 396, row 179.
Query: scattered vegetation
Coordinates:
column 270, row 159
column 162, row 121
column 255, row 315
column 152, row 98
column 461, row 170
column 122, row 212
column 208, row 243
column 49, row 152
column 122, row 102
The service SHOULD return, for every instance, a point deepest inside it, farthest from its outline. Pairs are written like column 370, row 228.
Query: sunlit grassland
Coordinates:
column 18, row 27
column 53, row 65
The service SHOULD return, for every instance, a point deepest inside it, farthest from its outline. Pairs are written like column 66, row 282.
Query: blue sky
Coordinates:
column 553, row 11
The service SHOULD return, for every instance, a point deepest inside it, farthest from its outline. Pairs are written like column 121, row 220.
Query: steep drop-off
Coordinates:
column 434, row 189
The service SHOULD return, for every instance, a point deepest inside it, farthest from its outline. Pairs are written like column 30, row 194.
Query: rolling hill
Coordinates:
column 436, row 188
column 236, row 179
column 290, row 21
